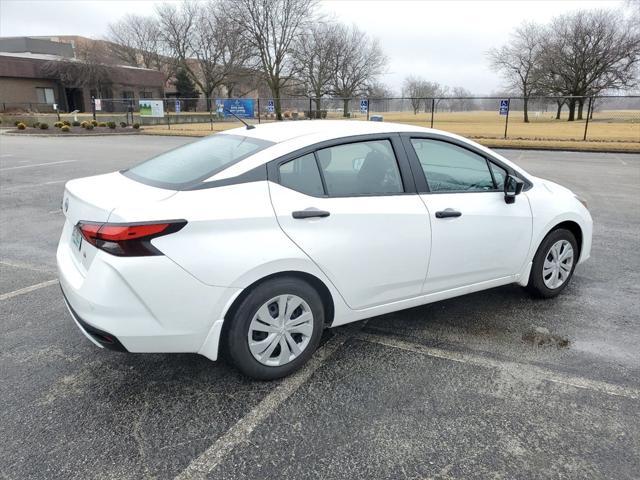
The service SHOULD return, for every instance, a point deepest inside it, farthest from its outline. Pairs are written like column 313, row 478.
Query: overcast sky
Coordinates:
column 442, row 41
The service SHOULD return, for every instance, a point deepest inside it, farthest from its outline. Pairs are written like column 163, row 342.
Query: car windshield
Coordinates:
column 191, row 164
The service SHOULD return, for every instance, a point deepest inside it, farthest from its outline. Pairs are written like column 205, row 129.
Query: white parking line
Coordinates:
column 31, row 185
column 24, row 290
column 240, row 432
column 38, row 165
column 513, row 368
column 27, row 266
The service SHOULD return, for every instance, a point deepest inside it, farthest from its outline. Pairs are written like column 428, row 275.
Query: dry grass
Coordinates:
column 619, row 127
column 608, row 131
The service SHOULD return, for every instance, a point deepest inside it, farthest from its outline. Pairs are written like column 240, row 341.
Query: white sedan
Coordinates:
column 250, row 242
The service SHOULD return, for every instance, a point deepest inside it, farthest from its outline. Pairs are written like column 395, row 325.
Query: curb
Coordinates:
column 559, row 149
column 31, row 135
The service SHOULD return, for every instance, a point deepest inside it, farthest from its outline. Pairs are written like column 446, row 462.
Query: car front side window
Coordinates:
column 450, row 168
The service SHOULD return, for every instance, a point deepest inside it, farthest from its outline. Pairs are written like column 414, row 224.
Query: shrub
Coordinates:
column 286, row 114
column 17, row 122
column 66, row 122
column 58, row 124
column 84, row 124
column 111, row 125
column 44, row 126
column 89, row 126
column 75, row 123
column 323, row 113
column 35, row 124
column 94, row 123
column 101, row 124
column 65, row 128
column 123, row 124
column 21, row 126
column 136, row 125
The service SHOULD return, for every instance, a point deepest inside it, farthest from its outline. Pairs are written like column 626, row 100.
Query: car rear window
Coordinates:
column 191, row 164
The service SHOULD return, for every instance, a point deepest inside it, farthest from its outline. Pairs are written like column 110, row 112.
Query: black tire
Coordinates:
column 236, row 338
column 536, row 285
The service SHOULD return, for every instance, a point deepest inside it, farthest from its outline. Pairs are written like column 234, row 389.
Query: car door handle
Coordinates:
column 448, row 213
column 310, row 213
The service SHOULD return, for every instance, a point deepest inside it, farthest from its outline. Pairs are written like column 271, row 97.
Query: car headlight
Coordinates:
column 581, row 200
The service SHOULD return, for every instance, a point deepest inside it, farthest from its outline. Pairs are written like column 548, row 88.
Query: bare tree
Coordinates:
column 360, row 60
column 272, row 27
column 80, row 73
column 316, row 54
column 206, row 45
column 588, row 52
column 419, row 90
column 377, row 89
column 519, row 61
column 136, row 41
column 461, row 101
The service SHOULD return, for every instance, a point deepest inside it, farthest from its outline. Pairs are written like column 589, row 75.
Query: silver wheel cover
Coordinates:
column 280, row 330
column 557, row 264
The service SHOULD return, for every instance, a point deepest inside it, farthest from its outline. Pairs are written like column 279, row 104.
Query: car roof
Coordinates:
column 292, row 135
column 279, row 132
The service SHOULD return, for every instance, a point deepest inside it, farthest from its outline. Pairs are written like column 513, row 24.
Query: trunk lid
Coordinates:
column 94, row 198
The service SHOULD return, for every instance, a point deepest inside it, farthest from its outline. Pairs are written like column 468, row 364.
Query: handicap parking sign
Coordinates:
column 364, row 105
column 504, row 107
column 270, row 106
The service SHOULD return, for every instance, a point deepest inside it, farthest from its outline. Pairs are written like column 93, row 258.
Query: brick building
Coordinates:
column 26, row 83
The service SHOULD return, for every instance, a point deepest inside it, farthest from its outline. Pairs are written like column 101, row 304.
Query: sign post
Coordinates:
column 504, row 110
column 364, row 106
column 96, row 105
column 586, row 123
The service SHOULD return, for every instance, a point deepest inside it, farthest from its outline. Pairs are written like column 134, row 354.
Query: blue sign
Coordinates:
column 270, row 106
column 504, row 107
column 364, row 105
column 177, row 106
column 241, row 107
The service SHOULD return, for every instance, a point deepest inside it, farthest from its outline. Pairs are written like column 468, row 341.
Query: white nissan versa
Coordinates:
column 253, row 240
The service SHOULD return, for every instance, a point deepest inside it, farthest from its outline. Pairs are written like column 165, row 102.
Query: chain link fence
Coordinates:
column 602, row 118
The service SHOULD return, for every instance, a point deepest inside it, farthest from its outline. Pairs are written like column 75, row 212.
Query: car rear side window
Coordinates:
column 302, row 175
column 449, row 168
column 362, row 168
column 191, row 164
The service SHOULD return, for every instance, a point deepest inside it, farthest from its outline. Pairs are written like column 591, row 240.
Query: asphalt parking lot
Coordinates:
column 455, row 389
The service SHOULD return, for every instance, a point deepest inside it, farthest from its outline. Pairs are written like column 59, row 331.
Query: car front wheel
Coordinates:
column 276, row 328
column 553, row 264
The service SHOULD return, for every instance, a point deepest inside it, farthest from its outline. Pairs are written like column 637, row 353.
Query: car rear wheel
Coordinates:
column 276, row 328
column 553, row 264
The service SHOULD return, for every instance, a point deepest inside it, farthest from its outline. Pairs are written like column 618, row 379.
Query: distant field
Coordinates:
column 616, row 126
column 617, row 130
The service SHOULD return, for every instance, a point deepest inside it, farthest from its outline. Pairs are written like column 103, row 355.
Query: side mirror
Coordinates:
column 512, row 187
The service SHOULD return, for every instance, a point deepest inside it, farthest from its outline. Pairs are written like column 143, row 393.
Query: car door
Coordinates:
column 476, row 235
column 352, row 207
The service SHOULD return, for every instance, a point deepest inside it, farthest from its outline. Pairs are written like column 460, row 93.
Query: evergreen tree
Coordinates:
column 186, row 89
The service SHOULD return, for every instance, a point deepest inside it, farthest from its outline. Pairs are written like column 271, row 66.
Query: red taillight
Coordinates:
column 127, row 239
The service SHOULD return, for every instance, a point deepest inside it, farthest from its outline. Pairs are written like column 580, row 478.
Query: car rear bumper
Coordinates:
column 100, row 338
column 139, row 304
